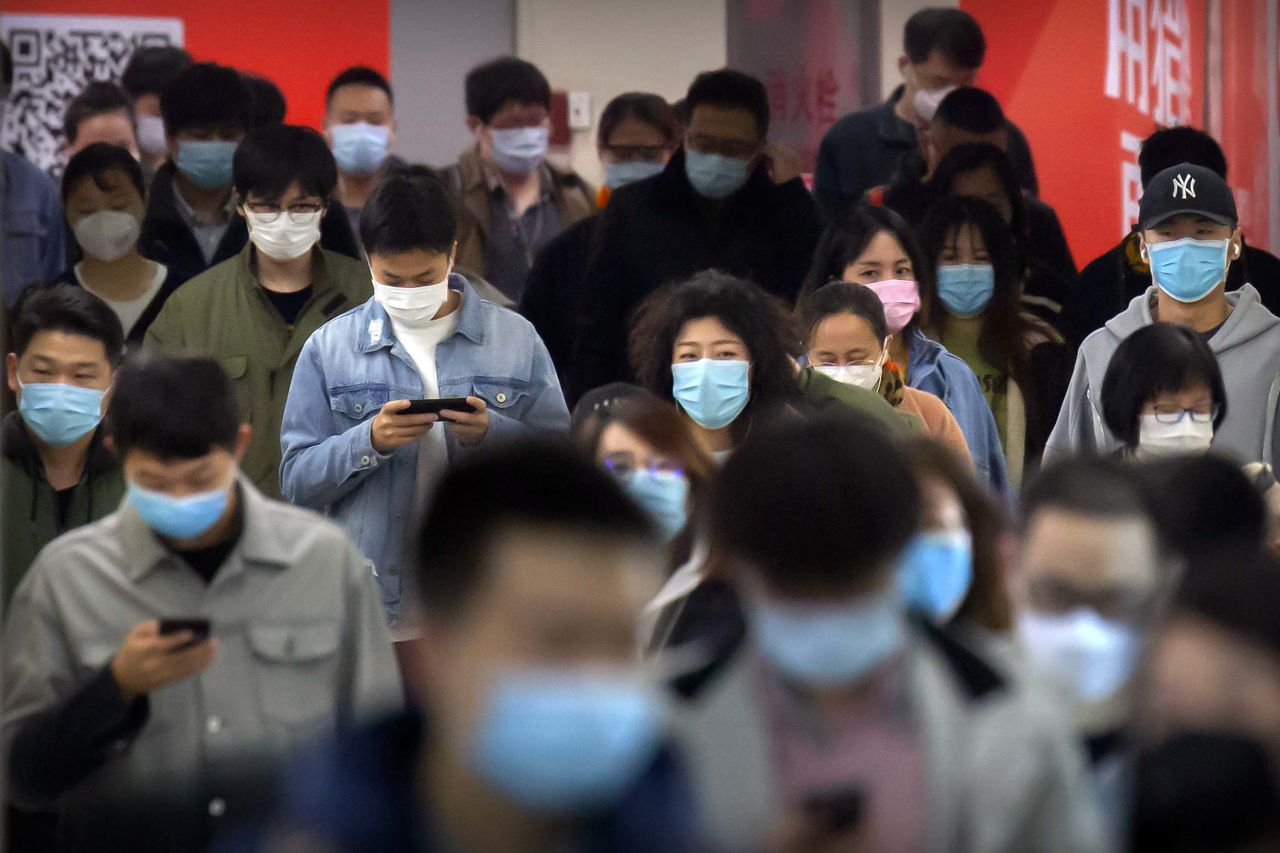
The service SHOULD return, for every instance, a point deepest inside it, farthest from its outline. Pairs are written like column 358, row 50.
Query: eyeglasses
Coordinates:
column 633, row 153
column 298, row 213
column 733, row 148
column 1174, row 414
column 623, row 464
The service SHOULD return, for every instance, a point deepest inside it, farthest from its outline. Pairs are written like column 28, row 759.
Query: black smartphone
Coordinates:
column 435, row 407
column 839, row 810
column 200, row 628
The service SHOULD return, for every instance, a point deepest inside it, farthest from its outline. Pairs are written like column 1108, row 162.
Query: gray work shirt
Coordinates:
column 303, row 648
column 514, row 241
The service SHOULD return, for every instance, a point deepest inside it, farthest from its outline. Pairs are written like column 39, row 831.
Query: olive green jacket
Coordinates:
column 225, row 313
column 825, row 394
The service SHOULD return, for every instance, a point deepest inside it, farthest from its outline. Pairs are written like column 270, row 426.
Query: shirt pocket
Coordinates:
column 358, row 402
column 508, row 396
column 296, row 670
column 237, row 369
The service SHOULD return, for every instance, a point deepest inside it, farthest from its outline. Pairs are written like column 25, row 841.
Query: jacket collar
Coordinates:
column 246, row 273
column 889, row 126
column 375, row 331
column 18, row 445
column 260, row 543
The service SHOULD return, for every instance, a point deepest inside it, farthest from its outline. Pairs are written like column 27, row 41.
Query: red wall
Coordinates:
column 1047, row 63
column 299, row 45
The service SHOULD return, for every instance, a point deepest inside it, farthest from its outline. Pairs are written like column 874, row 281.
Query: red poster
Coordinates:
column 1244, row 134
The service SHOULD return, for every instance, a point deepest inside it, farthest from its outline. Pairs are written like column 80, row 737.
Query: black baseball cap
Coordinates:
column 1185, row 188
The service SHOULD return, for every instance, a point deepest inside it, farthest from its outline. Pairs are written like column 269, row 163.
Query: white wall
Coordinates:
column 607, row 47
column 893, row 17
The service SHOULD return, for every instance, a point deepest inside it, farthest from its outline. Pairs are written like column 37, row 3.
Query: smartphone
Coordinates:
column 200, row 628
column 839, row 810
column 435, row 407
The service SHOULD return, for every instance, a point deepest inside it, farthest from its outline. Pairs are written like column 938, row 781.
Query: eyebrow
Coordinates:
column 422, row 274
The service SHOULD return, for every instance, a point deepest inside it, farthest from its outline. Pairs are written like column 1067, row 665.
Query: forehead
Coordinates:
column 112, row 182
column 515, row 113
column 137, row 460
column 291, row 193
column 705, row 330
column 1091, row 551
column 843, row 329
column 408, row 263
column 617, row 438
column 723, row 122
column 65, row 347
column 359, row 97
column 632, row 131
column 884, row 245
column 116, row 121
column 937, row 63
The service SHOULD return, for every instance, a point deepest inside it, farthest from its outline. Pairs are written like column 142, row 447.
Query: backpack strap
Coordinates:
column 975, row 676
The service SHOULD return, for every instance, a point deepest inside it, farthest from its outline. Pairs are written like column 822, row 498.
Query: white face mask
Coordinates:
column 108, row 235
column 412, row 306
column 151, row 138
column 284, row 239
column 862, row 375
column 1088, row 655
column 926, row 101
column 1157, row 440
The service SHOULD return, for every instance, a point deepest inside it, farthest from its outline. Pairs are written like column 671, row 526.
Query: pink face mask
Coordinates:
column 901, row 301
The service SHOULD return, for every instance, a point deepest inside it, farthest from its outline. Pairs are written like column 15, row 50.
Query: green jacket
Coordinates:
column 224, row 313
column 825, row 394
column 30, row 508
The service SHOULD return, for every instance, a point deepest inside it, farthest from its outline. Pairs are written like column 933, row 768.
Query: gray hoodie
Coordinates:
column 1248, row 350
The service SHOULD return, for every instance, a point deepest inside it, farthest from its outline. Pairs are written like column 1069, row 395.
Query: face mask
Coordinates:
column 151, row 138
column 714, row 176
column 283, row 239
column 936, row 572
column 862, row 375
column 926, row 101
column 712, row 391
column 1091, row 656
column 966, row 289
column 621, row 174
column 412, row 306
column 664, row 494
column 1187, row 270
column 59, row 414
column 830, row 645
column 206, row 162
column 1157, row 440
column 561, row 741
column 901, row 300
column 519, row 150
column 360, row 148
column 108, row 235
column 178, row 518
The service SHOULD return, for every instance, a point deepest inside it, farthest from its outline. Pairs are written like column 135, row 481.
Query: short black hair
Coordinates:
column 272, row 157
column 644, row 107
column 266, row 102
column 96, row 161
column 97, row 98
column 953, row 33
column 729, row 88
column 1204, row 502
column 411, row 209
column 816, row 505
column 1156, row 359
column 1095, row 486
column 532, row 484
column 66, row 308
column 151, row 68
column 174, row 407
column 1173, row 146
column 842, row 297
column 507, row 78
column 359, row 75
column 205, row 95
column 969, row 157
column 1237, row 589
column 971, row 109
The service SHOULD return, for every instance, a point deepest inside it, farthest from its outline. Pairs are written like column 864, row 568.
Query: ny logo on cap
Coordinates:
column 1184, row 184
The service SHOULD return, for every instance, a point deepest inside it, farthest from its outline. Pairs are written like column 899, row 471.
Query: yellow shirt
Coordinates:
column 961, row 338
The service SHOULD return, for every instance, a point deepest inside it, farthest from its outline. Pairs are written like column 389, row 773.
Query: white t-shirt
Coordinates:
column 421, row 342
column 131, row 309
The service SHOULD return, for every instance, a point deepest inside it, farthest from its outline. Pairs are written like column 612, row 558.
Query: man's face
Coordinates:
column 61, row 358
column 116, row 193
column 727, row 131
column 984, row 184
column 512, row 115
column 181, row 478
column 936, row 72
column 1192, row 225
column 114, row 128
column 417, row 268
column 205, row 132
column 293, row 200
column 359, row 103
column 552, row 600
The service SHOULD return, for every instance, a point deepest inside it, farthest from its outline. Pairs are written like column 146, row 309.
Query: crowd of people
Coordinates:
column 354, row 504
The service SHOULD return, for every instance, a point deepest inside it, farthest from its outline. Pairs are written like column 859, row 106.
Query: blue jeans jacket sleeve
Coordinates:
column 546, row 413
column 320, row 466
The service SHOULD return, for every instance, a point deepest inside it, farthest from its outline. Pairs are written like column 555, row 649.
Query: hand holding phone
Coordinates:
column 149, row 658
column 438, row 405
column 395, row 426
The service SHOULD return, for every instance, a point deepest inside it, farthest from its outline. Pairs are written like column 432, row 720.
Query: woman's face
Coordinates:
column 883, row 259
column 985, row 185
column 843, row 339
column 1197, row 399
column 964, row 245
column 942, row 511
column 634, row 140
column 707, row 337
column 116, row 193
column 622, row 451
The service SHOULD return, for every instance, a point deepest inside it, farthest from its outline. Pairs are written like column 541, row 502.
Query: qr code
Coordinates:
column 54, row 57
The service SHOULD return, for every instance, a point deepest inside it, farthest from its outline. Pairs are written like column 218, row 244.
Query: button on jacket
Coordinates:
column 225, row 314
column 303, row 649
column 349, row 369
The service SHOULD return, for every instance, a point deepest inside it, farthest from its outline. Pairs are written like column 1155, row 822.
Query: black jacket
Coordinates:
column 660, row 230
column 1109, row 283
column 167, row 239
column 552, row 290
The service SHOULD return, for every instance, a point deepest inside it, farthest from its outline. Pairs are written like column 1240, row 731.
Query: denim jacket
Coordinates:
column 352, row 366
column 932, row 368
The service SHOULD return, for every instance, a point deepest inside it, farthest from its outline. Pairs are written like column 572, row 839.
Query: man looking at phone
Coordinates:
column 356, row 439
column 279, row 636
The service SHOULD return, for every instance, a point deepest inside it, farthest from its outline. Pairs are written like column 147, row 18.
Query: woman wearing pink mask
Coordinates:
column 873, row 246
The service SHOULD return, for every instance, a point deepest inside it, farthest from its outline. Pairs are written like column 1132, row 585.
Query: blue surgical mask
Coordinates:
column 966, row 289
column 936, row 571
column 714, row 176
column 179, row 518
column 559, row 741
column 59, row 414
column 664, row 494
column 620, row 174
column 712, row 391
column 206, row 162
column 1090, row 655
column 360, row 148
column 830, row 645
column 519, row 150
column 1188, row 270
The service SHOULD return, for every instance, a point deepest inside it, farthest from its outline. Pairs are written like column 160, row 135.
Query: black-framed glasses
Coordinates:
column 1175, row 414
column 298, row 212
